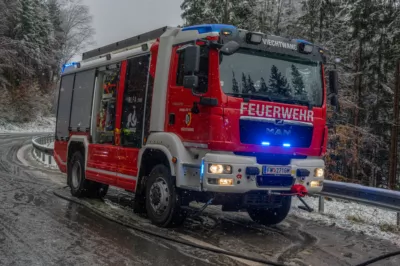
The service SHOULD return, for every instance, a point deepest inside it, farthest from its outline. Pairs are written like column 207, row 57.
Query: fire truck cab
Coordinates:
column 207, row 113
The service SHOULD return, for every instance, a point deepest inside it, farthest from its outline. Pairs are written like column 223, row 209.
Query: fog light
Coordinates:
column 225, row 182
column 219, row 169
column 319, row 172
column 316, row 184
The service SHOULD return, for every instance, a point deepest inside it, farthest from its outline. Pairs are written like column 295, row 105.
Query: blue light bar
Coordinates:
column 68, row 65
column 304, row 41
column 265, row 143
column 286, row 144
column 207, row 28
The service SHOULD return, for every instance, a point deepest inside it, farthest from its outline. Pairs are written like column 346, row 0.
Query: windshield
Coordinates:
column 271, row 77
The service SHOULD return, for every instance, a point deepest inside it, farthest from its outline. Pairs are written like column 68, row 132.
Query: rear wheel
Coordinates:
column 271, row 216
column 79, row 185
column 76, row 175
column 163, row 202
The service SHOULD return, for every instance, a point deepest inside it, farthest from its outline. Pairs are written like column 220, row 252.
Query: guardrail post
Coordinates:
column 321, row 206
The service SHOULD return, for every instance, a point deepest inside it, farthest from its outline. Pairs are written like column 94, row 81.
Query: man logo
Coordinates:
column 279, row 122
column 278, row 132
column 188, row 119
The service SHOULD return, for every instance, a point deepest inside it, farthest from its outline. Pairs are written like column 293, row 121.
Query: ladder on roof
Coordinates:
column 125, row 45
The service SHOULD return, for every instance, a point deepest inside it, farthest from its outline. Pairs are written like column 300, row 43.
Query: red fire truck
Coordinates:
column 207, row 113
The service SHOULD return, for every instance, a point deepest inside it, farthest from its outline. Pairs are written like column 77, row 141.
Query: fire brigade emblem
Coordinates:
column 188, row 119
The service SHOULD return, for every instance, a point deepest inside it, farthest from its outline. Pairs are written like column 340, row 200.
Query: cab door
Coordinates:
column 132, row 125
column 102, row 161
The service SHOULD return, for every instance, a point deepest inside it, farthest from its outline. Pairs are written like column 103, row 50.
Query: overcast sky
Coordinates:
column 115, row 20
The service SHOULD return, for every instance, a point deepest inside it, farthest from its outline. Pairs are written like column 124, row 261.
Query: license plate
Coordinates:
column 276, row 170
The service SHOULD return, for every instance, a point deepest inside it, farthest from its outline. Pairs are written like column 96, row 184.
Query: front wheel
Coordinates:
column 271, row 216
column 163, row 202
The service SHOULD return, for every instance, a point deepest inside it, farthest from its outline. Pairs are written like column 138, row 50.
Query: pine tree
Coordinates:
column 194, row 12
column 250, row 84
column 297, row 82
column 278, row 83
column 235, row 12
column 235, row 85
column 264, row 87
column 245, row 87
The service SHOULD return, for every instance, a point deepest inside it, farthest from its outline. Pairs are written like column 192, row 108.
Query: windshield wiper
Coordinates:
column 250, row 95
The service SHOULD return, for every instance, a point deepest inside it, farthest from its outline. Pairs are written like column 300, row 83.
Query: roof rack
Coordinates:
column 133, row 41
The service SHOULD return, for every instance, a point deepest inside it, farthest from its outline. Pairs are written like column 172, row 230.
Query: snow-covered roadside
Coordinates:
column 352, row 216
column 41, row 124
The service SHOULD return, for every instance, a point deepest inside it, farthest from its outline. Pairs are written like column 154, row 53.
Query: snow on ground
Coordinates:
column 41, row 124
column 352, row 216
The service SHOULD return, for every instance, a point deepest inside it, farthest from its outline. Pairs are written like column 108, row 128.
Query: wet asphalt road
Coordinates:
column 38, row 228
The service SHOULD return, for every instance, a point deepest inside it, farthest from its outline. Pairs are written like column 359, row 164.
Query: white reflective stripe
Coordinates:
column 195, row 145
column 100, row 171
column 273, row 120
column 61, row 161
column 127, row 176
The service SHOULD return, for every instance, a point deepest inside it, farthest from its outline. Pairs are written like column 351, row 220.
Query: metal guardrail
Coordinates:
column 377, row 197
column 41, row 143
column 43, row 149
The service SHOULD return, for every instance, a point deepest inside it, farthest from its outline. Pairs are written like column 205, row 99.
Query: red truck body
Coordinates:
column 125, row 110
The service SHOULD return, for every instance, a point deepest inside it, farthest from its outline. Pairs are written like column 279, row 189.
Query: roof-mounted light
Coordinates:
column 72, row 64
column 208, row 28
column 305, row 47
column 253, row 38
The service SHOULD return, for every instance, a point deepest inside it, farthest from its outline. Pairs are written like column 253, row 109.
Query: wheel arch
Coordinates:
column 164, row 147
column 78, row 143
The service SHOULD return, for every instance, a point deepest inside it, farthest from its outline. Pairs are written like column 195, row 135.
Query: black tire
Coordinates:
column 76, row 175
column 139, row 204
column 271, row 216
column 97, row 190
column 163, row 202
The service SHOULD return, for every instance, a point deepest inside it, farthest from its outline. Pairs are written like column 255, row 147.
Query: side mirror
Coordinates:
column 229, row 48
column 333, row 82
column 192, row 59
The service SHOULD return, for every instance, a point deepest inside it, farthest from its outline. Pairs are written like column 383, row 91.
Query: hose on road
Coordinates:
column 183, row 242
column 379, row 258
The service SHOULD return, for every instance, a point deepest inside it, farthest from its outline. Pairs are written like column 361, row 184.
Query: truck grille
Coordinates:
column 262, row 198
column 275, row 134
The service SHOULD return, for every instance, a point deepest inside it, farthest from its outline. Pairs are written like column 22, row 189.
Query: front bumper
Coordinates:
column 242, row 183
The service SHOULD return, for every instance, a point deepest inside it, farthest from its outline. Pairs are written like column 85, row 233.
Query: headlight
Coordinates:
column 319, row 172
column 219, row 169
